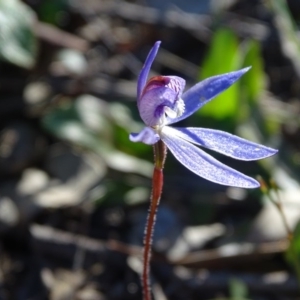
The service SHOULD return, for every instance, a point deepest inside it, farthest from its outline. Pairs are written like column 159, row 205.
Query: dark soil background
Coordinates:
column 74, row 191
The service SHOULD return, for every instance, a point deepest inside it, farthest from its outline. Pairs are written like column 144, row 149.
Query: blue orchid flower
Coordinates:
column 161, row 102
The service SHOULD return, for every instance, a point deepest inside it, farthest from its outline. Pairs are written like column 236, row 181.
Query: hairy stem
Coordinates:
column 157, row 184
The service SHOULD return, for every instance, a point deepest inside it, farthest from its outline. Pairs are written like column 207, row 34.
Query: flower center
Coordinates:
column 164, row 112
column 161, row 100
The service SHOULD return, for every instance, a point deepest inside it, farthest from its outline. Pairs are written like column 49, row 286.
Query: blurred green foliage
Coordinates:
column 238, row 104
column 293, row 252
column 18, row 44
column 253, row 82
column 95, row 125
column 237, row 289
column 287, row 32
column 102, row 126
column 50, row 10
column 223, row 56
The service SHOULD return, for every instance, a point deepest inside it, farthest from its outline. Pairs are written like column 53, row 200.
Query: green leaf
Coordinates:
column 253, row 81
column 18, row 44
column 223, row 56
column 253, row 84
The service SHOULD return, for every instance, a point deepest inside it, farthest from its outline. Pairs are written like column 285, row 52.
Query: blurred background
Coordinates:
column 74, row 191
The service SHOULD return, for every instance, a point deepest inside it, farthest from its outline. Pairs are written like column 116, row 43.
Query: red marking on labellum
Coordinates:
column 155, row 82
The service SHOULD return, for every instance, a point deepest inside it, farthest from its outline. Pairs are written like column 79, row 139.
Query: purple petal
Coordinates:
column 225, row 143
column 176, row 84
column 203, row 164
column 147, row 136
column 146, row 68
column 206, row 90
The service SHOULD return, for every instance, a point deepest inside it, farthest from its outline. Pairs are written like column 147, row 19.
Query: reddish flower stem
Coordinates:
column 157, row 184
